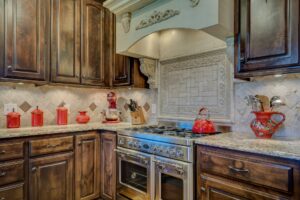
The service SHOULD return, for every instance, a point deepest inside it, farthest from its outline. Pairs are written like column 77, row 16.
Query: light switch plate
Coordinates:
column 153, row 108
column 9, row 107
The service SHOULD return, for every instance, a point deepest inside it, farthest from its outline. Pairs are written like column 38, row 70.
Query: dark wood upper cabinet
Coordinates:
column 87, row 166
column 108, row 165
column 122, row 70
column 94, row 64
column 266, row 37
column 65, row 41
column 24, row 39
column 51, row 177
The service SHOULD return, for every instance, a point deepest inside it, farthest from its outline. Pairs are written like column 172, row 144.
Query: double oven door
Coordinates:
column 146, row 177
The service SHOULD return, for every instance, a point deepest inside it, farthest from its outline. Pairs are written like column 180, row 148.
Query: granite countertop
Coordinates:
column 248, row 143
column 55, row 129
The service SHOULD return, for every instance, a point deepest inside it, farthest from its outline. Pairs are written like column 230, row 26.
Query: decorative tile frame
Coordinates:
column 202, row 80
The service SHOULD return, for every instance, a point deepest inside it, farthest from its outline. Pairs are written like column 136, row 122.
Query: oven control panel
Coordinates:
column 177, row 152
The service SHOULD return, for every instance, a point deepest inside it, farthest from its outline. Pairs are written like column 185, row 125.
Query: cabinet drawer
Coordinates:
column 14, row 192
column 257, row 172
column 11, row 150
column 11, row 172
column 51, row 145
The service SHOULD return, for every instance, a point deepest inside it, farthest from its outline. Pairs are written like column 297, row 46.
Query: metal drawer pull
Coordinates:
column 2, row 152
column 203, row 189
column 2, row 198
column 238, row 170
column 3, row 174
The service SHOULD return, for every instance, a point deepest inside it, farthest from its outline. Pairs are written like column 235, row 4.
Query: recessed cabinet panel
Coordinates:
column 266, row 37
column 26, row 25
column 93, row 46
column 121, row 70
column 65, row 51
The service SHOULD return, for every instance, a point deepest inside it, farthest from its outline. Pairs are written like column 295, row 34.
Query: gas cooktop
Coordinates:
column 167, row 131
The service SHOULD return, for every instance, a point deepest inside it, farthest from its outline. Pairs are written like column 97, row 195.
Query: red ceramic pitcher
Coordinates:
column 264, row 126
column 82, row 118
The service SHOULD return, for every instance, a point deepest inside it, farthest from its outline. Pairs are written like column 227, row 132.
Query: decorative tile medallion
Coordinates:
column 25, row 106
column 146, row 106
column 93, row 106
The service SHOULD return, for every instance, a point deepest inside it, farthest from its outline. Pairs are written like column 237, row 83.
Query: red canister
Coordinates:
column 13, row 119
column 62, row 116
column 37, row 117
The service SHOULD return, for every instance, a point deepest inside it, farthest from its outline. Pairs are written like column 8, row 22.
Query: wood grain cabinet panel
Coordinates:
column 108, row 166
column 122, row 70
column 26, row 33
column 11, row 150
column 50, row 145
column 13, row 192
column 65, row 41
column 11, row 172
column 51, row 177
column 87, row 167
column 266, row 37
column 95, row 66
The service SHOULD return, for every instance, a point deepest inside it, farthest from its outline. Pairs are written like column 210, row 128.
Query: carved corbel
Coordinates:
column 149, row 68
column 126, row 20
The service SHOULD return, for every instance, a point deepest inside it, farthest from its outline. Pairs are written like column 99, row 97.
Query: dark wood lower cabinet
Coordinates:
column 108, row 165
column 12, row 192
column 232, row 175
column 87, row 166
column 51, row 177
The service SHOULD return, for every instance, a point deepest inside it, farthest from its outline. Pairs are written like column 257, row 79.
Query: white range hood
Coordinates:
column 143, row 26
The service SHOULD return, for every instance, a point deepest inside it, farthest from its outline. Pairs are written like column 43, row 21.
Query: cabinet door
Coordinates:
column 94, row 28
column 267, row 36
column 87, row 175
column 108, row 166
column 121, row 71
column 214, row 188
column 51, row 177
column 26, row 31
column 65, row 40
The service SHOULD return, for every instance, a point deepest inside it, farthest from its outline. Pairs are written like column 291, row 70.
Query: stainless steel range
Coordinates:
column 155, row 163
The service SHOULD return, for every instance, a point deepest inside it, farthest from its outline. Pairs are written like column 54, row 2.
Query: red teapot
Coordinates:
column 203, row 125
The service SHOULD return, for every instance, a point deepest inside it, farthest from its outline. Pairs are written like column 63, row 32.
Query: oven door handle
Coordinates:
column 142, row 159
column 179, row 169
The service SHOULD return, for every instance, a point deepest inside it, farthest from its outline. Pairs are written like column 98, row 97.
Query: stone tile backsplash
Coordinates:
column 48, row 98
column 287, row 87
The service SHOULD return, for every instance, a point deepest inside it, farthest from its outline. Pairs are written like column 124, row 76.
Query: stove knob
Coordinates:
column 154, row 148
column 173, row 152
column 146, row 146
column 121, row 141
column 130, row 143
column 179, row 154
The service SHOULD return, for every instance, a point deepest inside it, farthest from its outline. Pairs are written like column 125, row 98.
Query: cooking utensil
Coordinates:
column 265, row 102
column 254, row 103
column 276, row 102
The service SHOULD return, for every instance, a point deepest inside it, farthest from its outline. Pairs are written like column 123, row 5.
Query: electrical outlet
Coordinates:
column 9, row 107
column 153, row 108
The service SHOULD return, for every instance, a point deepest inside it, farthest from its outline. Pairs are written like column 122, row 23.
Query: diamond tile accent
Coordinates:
column 62, row 104
column 126, row 107
column 146, row 106
column 93, row 106
column 25, row 106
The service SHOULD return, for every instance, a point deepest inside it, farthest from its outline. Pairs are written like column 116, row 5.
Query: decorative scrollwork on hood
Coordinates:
column 157, row 17
column 194, row 3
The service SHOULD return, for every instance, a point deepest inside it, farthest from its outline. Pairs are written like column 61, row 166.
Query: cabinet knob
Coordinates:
column 33, row 169
column 2, row 198
column 9, row 68
column 2, row 174
column 2, row 152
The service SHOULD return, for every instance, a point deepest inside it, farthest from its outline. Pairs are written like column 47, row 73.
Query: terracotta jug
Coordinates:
column 82, row 118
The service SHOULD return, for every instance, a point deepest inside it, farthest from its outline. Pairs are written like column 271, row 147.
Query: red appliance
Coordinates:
column 37, row 117
column 62, row 116
column 82, row 118
column 202, row 124
column 13, row 119
column 264, row 125
column 111, row 114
